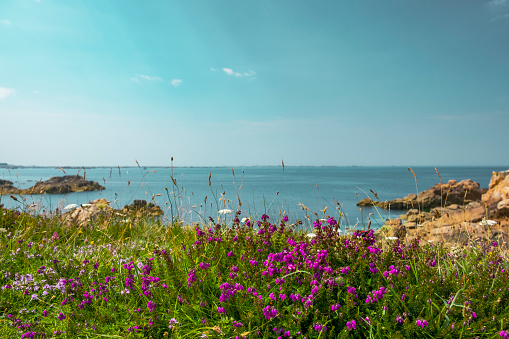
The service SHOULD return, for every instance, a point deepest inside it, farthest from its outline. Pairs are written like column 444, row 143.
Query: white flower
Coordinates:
column 311, row 235
column 391, row 238
column 244, row 220
column 485, row 222
column 70, row 206
column 225, row 211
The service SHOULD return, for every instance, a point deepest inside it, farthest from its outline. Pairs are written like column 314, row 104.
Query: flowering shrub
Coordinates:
column 254, row 279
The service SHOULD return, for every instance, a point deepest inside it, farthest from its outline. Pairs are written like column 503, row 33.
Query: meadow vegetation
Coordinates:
column 128, row 277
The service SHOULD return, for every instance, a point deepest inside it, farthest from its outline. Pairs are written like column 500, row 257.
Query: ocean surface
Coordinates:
column 269, row 190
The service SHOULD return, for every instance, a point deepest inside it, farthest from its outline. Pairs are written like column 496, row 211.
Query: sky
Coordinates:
column 232, row 83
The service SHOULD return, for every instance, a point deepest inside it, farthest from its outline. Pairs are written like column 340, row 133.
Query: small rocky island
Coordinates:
column 56, row 185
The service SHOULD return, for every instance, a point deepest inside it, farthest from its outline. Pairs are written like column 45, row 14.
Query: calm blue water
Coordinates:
column 257, row 188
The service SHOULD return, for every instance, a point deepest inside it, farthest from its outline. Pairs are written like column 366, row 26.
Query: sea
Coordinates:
column 193, row 194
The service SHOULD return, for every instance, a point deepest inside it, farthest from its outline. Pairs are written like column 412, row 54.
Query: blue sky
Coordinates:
column 228, row 82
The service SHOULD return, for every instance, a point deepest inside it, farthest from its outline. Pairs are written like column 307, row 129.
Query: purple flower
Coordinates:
column 421, row 323
column 351, row 324
column 270, row 312
column 319, row 327
column 45, row 313
column 220, row 310
column 504, row 334
column 399, row 319
column 61, row 316
column 151, row 306
column 204, row 266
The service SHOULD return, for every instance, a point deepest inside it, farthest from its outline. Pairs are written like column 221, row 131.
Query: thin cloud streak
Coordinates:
column 5, row 22
column 138, row 77
column 150, row 78
column 231, row 72
column 6, row 92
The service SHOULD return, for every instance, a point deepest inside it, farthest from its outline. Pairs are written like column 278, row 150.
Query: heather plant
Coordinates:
column 255, row 278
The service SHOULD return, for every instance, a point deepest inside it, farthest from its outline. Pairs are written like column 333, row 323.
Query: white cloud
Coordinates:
column 150, row 78
column 5, row 22
column 176, row 82
column 213, row 69
column 5, row 92
column 498, row 3
column 137, row 78
column 231, row 72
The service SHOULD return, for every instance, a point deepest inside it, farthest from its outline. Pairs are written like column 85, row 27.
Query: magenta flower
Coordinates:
column 151, row 306
column 351, row 324
column 220, row 310
column 61, row 316
column 421, row 323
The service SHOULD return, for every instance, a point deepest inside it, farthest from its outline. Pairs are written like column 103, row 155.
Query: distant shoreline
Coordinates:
column 9, row 166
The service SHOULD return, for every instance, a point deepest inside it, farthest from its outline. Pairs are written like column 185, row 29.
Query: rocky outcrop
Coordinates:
column 92, row 211
column 141, row 207
column 440, row 195
column 56, row 185
column 496, row 199
column 483, row 221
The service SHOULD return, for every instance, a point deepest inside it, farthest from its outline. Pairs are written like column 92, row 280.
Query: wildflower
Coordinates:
column 270, row 312
column 421, row 323
column 351, row 324
column 61, row 316
column 504, row 334
column 319, row 327
column 345, row 270
column 335, row 307
column 151, row 306
column 204, row 266
column 399, row 319
column 225, row 211
column 485, row 222
column 45, row 313
column 173, row 322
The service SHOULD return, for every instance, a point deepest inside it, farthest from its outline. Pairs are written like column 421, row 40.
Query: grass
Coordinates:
column 120, row 277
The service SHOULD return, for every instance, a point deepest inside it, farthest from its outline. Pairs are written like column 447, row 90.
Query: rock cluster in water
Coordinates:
column 56, row 185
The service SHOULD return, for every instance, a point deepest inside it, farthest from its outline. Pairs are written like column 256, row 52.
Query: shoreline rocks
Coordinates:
column 93, row 210
column 56, row 185
column 458, row 224
column 440, row 195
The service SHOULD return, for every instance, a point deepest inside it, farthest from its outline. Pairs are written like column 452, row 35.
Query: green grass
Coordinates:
column 172, row 281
